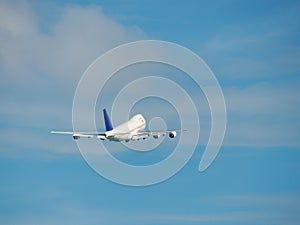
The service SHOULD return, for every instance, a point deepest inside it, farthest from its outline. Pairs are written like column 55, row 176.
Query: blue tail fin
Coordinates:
column 108, row 125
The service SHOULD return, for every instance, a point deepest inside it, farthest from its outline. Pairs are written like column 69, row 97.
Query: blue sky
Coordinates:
column 253, row 49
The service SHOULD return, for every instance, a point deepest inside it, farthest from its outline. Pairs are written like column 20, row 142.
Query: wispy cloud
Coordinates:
column 257, row 63
column 40, row 70
column 263, row 48
column 263, row 115
column 242, row 209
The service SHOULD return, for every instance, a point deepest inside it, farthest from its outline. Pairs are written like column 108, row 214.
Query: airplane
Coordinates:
column 131, row 130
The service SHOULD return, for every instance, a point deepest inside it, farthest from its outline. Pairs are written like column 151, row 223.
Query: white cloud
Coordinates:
column 39, row 71
column 81, row 35
column 16, row 19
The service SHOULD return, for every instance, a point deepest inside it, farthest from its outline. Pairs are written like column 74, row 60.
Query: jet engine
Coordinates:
column 155, row 136
column 172, row 134
column 101, row 137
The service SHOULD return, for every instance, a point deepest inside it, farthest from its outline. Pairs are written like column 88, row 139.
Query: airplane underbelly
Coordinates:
column 121, row 137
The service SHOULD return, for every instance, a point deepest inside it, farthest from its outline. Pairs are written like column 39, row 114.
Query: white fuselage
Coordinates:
column 127, row 130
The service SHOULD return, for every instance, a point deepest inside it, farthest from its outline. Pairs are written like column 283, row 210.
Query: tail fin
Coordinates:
column 107, row 121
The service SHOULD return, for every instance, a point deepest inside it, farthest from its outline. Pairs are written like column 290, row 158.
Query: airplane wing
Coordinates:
column 77, row 135
column 134, row 136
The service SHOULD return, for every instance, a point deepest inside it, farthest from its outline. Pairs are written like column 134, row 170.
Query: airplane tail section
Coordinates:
column 108, row 125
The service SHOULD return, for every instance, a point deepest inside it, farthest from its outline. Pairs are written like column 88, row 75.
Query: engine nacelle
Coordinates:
column 172, row 134
column 101, row 137
column 76, row 137
column 155, row 136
